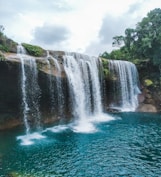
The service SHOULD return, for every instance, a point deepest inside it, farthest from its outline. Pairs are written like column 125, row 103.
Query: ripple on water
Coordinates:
column 129, row 146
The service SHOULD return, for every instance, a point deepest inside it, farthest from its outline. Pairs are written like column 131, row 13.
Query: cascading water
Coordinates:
column 30, row 90
column 20, row 52
column 55, row 86
column 83, row 78
column 125, row 84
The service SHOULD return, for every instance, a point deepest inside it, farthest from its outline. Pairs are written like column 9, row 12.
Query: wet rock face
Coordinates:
column 11, row 111
column 10, row 98
column 9, row 86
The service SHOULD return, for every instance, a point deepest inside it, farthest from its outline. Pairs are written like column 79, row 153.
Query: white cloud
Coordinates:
column 85, row 26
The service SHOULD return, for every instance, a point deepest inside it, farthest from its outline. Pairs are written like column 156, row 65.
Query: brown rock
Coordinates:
column 148, row 96
column 149, row 101
column 141, row 98
column 146, row 108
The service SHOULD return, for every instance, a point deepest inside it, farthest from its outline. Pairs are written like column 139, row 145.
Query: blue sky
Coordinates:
column 85, row 26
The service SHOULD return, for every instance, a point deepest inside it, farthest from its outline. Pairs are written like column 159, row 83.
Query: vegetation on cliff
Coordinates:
column 143, row 42
column 142, row 46
column 105, row 67
column 6, row 44
column 33, row 50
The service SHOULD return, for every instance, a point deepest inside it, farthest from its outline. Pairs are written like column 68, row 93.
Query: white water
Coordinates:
column 126, row 87
column 85, row 93
column 29, row 138
column 55, row 86
column 83, row 77
column 30, row 90
column 20, row 53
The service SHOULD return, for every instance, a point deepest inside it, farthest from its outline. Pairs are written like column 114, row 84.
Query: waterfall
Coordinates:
column 30, row 90
column 125, row 84
column 55, row 86
column 82, row 95
column 84, row 85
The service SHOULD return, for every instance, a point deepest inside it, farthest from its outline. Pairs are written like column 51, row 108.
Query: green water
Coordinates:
column 129, row 146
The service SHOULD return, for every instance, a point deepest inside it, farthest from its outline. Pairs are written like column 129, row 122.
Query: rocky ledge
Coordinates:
column 10, row 87
column 10, row 97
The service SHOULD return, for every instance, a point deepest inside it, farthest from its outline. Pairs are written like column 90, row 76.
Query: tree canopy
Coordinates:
column 142, row 42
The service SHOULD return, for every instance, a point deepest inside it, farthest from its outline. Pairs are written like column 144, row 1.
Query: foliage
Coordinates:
column 148, row 42
column 33, row 49
column 6, row 44
column 142, row 42
column 148, row 82
column 4, row 48
column 119, row 54
column 142, row 46
column 104, row 61
column 105, row 55
column 105, row 66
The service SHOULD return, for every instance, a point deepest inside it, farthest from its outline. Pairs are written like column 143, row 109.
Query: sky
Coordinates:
column 84, row 26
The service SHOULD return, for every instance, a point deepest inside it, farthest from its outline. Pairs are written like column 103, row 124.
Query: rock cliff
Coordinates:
column 10, row 91
column 10, row 88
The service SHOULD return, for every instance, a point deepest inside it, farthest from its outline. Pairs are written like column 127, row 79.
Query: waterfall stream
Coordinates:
column 84, row 85
column 82, row 95
column 30, row 90
column 125, row 84
column 55, row 86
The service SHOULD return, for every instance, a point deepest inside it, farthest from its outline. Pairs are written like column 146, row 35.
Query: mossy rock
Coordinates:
column 12, row 45
column 148, row 82
column 7, row 45
column 33, row 50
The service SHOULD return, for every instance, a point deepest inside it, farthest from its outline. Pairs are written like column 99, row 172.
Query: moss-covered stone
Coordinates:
column 33, row 50
column 148, row 82
column 7, row 45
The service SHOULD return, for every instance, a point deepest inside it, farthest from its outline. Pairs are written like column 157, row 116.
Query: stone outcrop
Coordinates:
column 10, row 89
column 149, row 76
column 149, row 99
column 146, row 108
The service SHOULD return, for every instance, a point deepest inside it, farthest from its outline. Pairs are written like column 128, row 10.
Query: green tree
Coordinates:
column 148, row 42
column 143, row 42
column 118, row 41
column 105, row 55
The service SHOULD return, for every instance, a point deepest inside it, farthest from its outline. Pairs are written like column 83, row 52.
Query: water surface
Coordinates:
column 130, row 145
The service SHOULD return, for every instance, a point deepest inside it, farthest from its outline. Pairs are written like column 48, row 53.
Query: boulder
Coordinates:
column 146, row 108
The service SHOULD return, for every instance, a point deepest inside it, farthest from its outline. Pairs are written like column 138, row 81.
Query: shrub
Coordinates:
column 148, row 82
column 4, row 48
column 105, row 66
column 33, row 50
